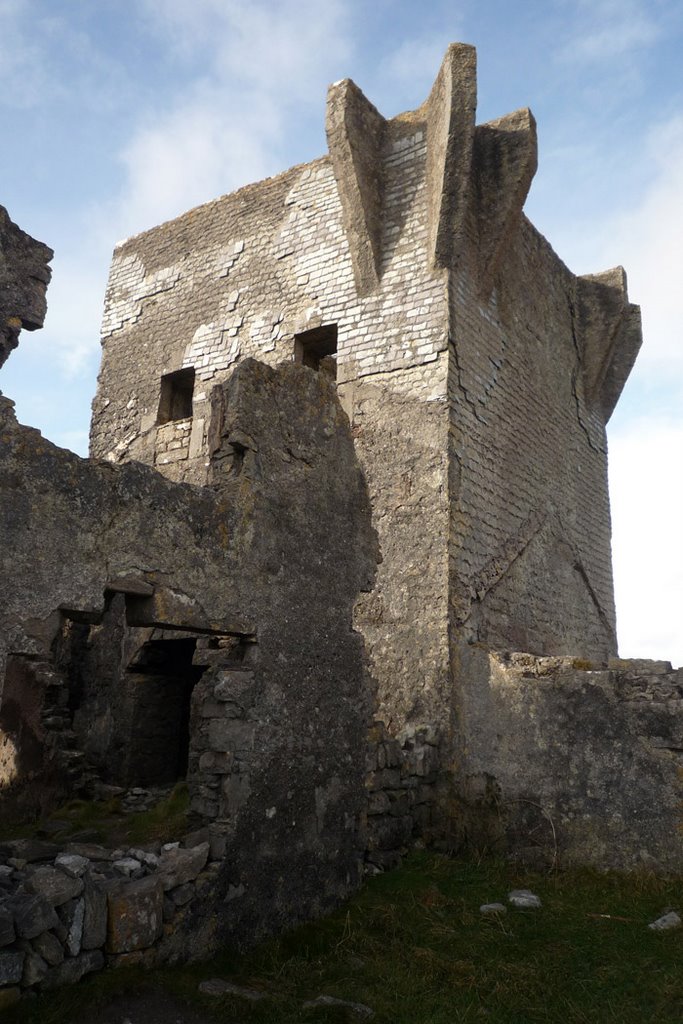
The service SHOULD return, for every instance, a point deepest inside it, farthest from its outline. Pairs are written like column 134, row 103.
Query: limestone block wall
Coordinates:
column 573, row 762
column 537, row 359
column 173, row 442
column 242, row 276
column 530, row 526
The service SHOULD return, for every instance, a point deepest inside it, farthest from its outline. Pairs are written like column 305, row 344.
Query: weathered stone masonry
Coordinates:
column 280, row 714
column 477, row 371
column 298, row 586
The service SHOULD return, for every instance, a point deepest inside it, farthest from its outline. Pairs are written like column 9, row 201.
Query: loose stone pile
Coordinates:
column 65, row 913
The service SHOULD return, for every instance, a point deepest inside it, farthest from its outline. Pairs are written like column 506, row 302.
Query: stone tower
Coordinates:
column 477, row 372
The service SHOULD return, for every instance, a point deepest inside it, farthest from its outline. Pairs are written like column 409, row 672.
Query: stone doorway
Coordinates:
column 160, row 680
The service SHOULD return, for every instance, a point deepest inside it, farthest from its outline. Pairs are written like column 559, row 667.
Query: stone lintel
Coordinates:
column 505, row 161
column 170, row 609
column 609, row 333
column 130, row 585
column 450, row 114
column 355, row 131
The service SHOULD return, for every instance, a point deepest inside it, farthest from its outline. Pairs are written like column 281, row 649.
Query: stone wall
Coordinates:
column 566, row 761
column 65, row 913
column 270, row 556
column 405, row 780
column 476, row 370
column 530, row 465
column 260, row 572
column 71, row 908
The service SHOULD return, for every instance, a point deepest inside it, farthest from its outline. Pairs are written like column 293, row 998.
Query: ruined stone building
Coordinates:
column 348, row 460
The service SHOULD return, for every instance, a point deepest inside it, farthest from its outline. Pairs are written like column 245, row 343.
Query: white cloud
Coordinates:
column 646, row 454
column 646, row 433
column 48, row 59
column 195, row 153
column 648, row 240
column 240, row 67
column 22, row 73
column 646, row 237
column 646, row 485
column 403, row 77
column 75, row 308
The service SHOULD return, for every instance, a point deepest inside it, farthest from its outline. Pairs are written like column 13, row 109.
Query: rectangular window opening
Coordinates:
column 175, row 402
column 317, row 348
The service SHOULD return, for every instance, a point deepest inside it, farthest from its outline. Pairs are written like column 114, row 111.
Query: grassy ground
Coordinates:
column 414, row 947
column 105, row 822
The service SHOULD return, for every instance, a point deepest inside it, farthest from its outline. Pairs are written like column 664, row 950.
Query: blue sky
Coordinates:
column 119, row 114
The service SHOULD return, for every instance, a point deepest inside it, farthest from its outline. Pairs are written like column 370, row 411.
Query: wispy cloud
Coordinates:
column 610, row 29
column 275, row 48
column 404, row 73
column 415, row 61
column 648, row 240
column 23, row 74
column 248, row 65
column 49, row 58
column 75, row 307
column 196, row 152
column 219, row 122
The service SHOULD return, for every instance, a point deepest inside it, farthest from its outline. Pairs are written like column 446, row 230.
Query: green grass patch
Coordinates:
column 105, row 822
column 167, row 820
column 413, row 946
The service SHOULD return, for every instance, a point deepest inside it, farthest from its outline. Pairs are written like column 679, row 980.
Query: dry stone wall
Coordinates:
column 403, row 782
column 65, row 913
column 70, row 909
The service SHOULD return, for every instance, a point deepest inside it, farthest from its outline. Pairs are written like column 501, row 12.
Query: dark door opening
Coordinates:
column 160, row 681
